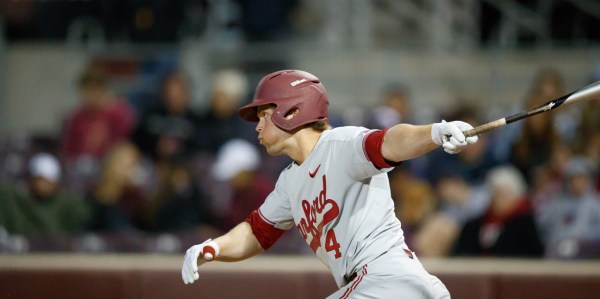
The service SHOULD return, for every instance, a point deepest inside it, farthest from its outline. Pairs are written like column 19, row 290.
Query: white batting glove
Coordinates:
column 450, row 135
column 208, row 251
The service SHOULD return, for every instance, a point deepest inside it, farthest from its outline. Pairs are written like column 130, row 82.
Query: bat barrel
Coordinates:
column 589, row 92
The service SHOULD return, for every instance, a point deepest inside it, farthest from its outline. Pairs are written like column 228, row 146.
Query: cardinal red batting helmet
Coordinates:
column 289, row 90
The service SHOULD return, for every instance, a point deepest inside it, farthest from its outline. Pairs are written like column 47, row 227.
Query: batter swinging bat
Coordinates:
column 589, row 92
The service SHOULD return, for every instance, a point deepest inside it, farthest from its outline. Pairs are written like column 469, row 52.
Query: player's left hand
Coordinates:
column 450, row 135
column 207, row 250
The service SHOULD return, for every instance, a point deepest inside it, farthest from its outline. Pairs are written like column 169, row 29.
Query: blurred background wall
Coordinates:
column 485, row 50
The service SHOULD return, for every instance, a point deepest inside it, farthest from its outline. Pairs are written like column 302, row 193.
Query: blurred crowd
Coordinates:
column 143, row 21
column 161, row 176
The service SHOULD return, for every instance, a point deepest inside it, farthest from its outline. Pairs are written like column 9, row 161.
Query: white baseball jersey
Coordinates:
column 339, row 202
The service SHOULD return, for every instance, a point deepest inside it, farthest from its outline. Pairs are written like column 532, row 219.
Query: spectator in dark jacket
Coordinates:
column 41, row 207
column 168, row 131
column 508, row 228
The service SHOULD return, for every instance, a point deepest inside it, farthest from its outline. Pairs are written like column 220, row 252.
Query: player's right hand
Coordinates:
column 206, row 251
column 451, row 137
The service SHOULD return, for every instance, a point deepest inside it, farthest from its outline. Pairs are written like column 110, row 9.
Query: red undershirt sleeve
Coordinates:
column 372, row 145
column 264, row 230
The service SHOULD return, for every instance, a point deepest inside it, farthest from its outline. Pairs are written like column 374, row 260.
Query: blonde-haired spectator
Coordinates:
column 118, row 196
column 429, row 232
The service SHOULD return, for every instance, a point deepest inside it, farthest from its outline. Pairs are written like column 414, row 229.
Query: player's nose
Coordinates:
column 259, row 126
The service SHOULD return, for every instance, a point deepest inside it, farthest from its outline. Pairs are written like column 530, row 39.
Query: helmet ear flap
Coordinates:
column 288, row 117
column 291, row 113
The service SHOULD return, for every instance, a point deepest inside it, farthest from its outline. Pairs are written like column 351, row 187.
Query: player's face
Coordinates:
column 269, row 135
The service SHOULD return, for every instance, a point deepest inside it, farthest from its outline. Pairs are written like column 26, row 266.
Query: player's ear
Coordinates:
column 292, row 113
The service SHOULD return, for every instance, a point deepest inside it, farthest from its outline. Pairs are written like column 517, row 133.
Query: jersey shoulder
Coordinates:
column 344, row 133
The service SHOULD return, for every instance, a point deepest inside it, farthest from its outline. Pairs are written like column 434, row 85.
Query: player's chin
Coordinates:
column 272, row 150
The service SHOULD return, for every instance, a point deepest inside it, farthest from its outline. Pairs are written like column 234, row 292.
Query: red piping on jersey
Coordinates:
column 372, row 147
column 355, row 283
column 264, row 230
column 265, row 218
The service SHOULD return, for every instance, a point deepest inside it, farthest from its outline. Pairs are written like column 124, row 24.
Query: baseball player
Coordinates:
column 335, row 192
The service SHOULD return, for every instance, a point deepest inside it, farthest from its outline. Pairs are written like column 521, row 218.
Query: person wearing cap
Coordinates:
column 40, row 207
column 238, row 166
column 572, row 217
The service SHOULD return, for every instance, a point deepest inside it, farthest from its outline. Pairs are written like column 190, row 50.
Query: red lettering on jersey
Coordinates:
column 321, row 205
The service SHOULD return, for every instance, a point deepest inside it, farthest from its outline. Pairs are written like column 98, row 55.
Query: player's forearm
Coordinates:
column 405, row 141
column 238, row 244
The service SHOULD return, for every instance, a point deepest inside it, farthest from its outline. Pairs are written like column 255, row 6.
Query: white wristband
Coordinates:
column 435, row 133
column 210, row 251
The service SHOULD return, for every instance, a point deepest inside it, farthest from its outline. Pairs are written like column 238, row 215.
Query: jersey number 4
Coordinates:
column 331, row 244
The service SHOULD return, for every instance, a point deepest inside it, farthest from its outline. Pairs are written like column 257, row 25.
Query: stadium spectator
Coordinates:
column 436, row 236
column 548, row 177
column 414, row 200
column 458, row 180
column 168, row 131
column 393, row 107
column 220, row 122
column 238, row 165
column 587, row 141
column 101, row 120
column 119, row 194
column 539, row 136
column 41, row 207
column 429, row 232
column 508, row 227
column 571, row 221
column 178, row 203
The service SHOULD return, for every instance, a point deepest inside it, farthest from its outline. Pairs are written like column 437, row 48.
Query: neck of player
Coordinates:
column 303, row 142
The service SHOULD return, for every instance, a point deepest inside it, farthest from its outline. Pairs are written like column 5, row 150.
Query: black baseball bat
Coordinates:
column 590, row 92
